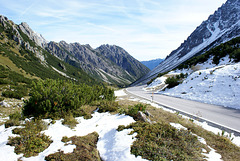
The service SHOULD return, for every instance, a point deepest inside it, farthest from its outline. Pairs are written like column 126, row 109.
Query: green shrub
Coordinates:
column 31, row 141
column 133, row 110
column 172, row 82
column 70, row 121
column 52, row 98
column 107, row 106
column 4, row 81
column 161, row 141
column 16, row 92
column 14, row 119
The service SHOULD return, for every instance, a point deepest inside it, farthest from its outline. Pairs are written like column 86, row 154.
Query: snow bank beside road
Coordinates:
column 219, row 85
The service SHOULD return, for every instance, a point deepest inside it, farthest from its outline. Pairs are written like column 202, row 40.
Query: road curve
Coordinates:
column 224, row 118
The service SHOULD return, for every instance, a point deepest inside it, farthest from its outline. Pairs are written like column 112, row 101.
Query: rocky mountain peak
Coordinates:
column 36, row 37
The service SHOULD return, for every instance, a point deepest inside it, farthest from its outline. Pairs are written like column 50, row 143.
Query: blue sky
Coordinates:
column 147, row 29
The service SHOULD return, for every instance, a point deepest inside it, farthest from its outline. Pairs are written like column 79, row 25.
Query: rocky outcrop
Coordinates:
column 15, row 34
column 35, row 37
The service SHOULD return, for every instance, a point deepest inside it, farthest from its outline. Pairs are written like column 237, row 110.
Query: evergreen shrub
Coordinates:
column 133, row 110
column 51, row 98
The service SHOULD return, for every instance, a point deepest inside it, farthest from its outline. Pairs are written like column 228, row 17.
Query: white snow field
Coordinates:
column 112, row 145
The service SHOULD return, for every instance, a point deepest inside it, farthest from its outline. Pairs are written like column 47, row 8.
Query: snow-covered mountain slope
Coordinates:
column 209, row 83
column 220, row 27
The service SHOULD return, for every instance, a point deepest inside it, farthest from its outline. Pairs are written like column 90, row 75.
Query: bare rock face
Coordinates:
column 19, row 39
column 141, row 116
column 37, row 38
column 220, row 27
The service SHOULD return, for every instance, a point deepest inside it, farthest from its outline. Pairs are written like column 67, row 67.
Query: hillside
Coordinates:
column 220, row 27
column 24, row 55
column 110, row 64
column 212, row 77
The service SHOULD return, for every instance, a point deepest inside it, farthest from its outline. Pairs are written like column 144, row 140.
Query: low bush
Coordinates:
column 55, row 98
column 172, row 82
column 70, row 121
column 133, row 110
column 30, row 141
column 1, row 99
column 16, row 92
column 14, row 119
column 161, row 141
column 107, row 106
column 86, row 149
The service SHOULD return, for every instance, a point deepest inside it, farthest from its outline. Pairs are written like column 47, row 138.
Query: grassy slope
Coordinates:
column 20, row 60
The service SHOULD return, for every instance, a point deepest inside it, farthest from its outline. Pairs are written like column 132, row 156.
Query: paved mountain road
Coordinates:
column 224, row 118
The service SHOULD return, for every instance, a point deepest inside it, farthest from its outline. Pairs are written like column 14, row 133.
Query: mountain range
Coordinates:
column 107, row 63
column 220, row 27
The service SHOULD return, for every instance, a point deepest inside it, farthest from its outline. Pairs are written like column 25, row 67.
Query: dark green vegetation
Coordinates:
column 133, row 110
column 161, row 141
column 31, row 141
column 175, row 80
column 86, row 149
column 14, row 85
column 55, row 98
column 69, row 120
column 14, row 119
column 231, row 48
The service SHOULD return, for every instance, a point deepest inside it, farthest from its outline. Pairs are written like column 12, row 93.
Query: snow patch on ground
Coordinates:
column 120, row 93
column 178, row 126
column 112, row 145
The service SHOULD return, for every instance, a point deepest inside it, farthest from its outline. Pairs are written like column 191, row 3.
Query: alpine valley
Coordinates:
column 27, row 52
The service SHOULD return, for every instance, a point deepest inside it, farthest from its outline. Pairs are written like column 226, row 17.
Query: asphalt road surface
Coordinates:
column 227, row 119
